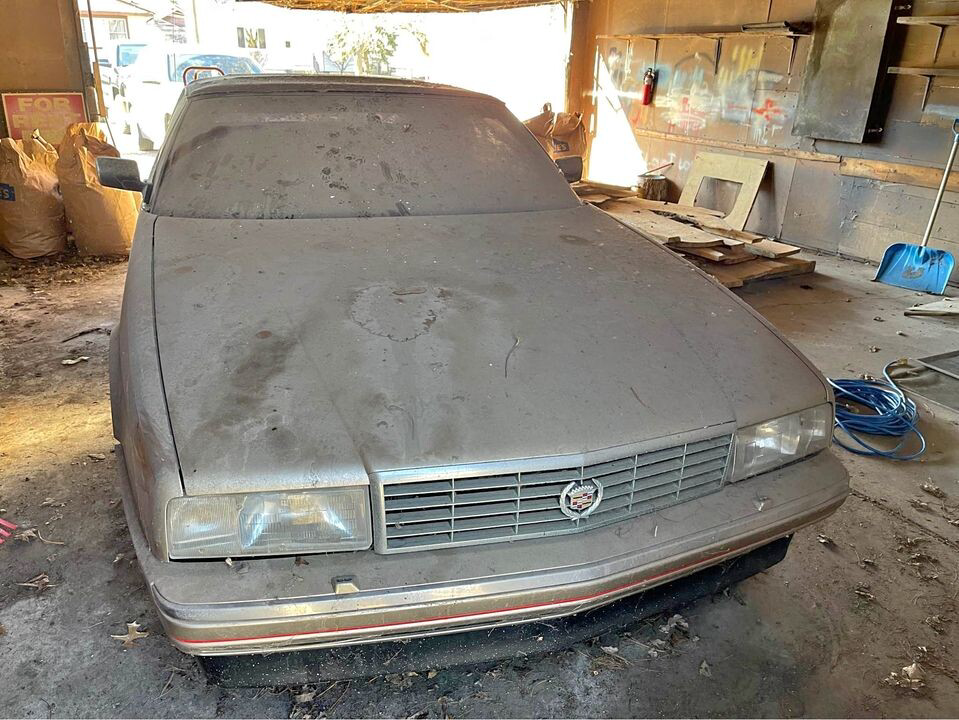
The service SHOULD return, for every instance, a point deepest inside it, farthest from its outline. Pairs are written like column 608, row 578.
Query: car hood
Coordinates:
column 297, row 353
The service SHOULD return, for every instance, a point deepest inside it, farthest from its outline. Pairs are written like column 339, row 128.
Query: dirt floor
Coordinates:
column 869, row 591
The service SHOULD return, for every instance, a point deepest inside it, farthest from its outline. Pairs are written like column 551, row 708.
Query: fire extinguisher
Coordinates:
column 649, row 80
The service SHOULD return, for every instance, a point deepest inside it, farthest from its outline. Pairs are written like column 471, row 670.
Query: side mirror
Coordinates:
column 571, row 167
column 120, row 173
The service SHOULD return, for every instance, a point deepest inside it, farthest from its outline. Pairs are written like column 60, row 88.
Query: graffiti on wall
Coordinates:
column 688, row 102
column 682, row 164
column 702, row 89
column 772, row 116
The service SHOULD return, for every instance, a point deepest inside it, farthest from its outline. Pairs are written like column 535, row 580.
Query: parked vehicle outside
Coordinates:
column 126, row 54
column 152, row 82
column 381, row 375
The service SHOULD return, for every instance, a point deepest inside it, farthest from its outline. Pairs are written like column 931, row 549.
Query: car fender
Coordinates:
column 141, row 422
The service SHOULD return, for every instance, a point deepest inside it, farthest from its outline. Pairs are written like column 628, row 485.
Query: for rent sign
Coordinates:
column 50, row 113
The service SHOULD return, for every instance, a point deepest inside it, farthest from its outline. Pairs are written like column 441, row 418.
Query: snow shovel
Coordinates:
column 917, row 267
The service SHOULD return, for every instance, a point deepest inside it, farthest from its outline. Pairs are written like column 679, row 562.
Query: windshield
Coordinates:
column 338, row 154
column 127, row 54
column 229, row 64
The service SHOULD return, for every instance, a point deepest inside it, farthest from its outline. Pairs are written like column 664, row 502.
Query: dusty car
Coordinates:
column 380, row 375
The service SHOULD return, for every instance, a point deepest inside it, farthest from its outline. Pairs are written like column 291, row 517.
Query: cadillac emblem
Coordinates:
column 580, row 498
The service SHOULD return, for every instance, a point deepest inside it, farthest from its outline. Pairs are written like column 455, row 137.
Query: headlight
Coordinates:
column 768, row 445
column 280, row 523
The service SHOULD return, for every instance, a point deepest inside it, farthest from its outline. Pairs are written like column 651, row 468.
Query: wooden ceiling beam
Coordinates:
column 447, row 5
column 369, row 6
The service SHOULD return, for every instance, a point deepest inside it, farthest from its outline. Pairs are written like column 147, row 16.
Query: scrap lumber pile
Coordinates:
column 734, row 257
column 714, row 241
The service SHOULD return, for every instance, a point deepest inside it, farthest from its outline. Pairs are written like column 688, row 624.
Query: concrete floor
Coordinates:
column 797, row 640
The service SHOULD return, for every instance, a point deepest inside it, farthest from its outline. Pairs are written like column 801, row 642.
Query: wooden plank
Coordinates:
column 680, row 234
column 749, row 172
column 639, row 203
column 644, row 228
column 705, row 218
column 924, row 71
column 759, row 269
column 613, row 191
column 592, row 198
column 665, row 231
column 718, row 226
column 738, row 235
column 698, row 238
column 918, row 175
column 739, row 147
column 707, row 253
column 939, row 308
column 770, row 249
column 725, row 255
column 713, row 35
column 928, row 20
column 689, row 235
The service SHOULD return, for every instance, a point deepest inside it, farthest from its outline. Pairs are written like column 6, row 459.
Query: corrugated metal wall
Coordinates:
column 745, row 103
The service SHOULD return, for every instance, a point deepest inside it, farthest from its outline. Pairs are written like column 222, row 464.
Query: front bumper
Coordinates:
column 482, row 646
column 272, row 605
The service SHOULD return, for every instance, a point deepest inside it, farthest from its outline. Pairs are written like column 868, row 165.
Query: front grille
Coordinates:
column 456, row 511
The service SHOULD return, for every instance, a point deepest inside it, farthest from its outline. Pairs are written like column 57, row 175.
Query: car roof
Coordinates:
column 266, row 83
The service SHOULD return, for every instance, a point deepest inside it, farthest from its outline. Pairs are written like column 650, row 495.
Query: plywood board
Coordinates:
column 662, row 230
column 843, row 69
column 664, row 206
column 673, row 138
column 770, row 249
column 685, row 99
column 643, row 227
column 710, row 220
column 711, row 224
column 692, row 15
column 939, row 308
column 875, row 215
column 814, row 211
column 946, row 363
column 748, row 172
column 932, row 386
column 734, row 87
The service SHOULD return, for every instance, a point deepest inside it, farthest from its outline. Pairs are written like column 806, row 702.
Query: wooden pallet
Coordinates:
column 734, row 276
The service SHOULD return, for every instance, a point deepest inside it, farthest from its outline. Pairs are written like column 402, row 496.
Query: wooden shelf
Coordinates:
column 928, row 20
column 924, row 71
column 710, row 35
column 790, row 33
column 939, row 22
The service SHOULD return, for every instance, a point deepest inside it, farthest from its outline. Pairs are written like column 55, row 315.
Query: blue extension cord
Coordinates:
column 893, row 415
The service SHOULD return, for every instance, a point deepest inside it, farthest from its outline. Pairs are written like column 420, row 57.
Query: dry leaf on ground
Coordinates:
column 132, row 635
